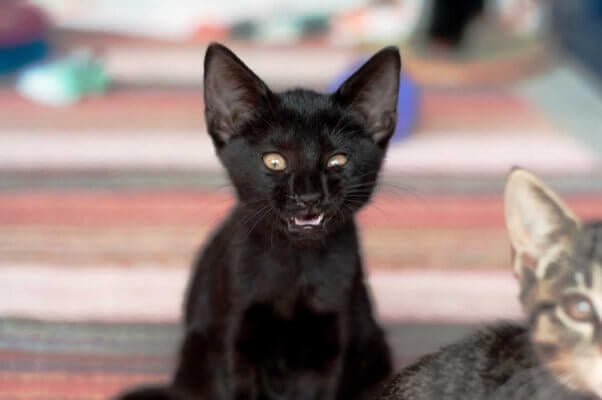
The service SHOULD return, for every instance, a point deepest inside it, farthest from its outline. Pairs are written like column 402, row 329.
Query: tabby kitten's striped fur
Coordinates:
column 557, row 353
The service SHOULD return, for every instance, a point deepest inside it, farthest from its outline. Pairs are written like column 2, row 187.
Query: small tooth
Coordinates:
column 312, row 221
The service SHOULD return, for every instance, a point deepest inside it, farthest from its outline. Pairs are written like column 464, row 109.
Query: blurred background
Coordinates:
column 108, row 180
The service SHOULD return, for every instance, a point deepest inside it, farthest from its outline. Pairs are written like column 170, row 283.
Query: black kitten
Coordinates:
column 277, row 307
column 557, row 354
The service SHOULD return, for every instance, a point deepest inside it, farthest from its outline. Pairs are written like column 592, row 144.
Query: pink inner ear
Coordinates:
column 372, row 92
column 232, row 93
column 528, row 260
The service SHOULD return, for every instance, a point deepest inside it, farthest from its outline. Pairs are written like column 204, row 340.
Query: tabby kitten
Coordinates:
column 277, row 307
column 557, row 354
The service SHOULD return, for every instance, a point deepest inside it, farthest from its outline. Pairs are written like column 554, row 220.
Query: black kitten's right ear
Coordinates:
column 232, row 93
column 372, row 93
column 536, row 218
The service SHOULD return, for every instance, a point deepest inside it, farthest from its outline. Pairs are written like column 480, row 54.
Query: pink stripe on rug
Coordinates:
column 71, row 386
column 200, row 208
column 488, row 153
column 429, row 153
column 150, row 293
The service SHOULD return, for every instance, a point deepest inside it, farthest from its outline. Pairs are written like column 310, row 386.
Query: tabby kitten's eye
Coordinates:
column 578, row 307
column 274, row 161
column 337, row 161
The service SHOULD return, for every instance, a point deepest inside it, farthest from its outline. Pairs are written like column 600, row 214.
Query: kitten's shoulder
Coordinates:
column 471, row 366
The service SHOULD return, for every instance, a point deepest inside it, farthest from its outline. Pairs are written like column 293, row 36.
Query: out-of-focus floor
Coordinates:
column 103, row 205
column 91, row 360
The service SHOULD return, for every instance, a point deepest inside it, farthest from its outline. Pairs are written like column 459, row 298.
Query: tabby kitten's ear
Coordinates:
column 536, row 218
column 372, row 93
column 232, row 93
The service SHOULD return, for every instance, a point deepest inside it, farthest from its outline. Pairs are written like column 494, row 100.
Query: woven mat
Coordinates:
column 475, row 132
column 90, row 361
column 165, row 227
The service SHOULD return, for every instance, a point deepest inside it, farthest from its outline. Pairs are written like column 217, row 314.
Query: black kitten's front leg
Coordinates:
column 200, row 375
column 367, row 362
column 202, row 371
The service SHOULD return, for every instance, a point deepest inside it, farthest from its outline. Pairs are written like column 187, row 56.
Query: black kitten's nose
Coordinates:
column 308, row 199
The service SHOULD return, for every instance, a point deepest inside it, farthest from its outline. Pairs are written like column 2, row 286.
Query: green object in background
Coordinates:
column 64, row 82
column 315, row 24
column 289, row 28
column 280, row 29
column 244, row 30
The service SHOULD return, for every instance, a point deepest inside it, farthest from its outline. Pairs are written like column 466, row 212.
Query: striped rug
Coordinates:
column 480, row 132
column 95, row 361
column 103, row 205
column 92, row 280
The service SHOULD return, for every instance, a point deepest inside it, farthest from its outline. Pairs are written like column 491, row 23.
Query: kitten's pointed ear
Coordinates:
column 232, row 93
column 536, row 218
column 372, row 93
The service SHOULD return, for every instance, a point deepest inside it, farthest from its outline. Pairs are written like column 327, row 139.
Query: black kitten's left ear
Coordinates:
column 372, row 93
column 233, row 93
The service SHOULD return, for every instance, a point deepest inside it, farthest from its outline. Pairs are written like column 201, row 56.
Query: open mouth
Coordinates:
column 305, row 221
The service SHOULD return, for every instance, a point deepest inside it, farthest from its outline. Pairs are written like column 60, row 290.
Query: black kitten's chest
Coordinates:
column 289, row 277
column 292, row 357
column 293, row 312
column 293, row 318
column 304, row 340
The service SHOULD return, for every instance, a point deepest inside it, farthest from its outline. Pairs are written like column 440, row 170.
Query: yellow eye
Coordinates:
column 274, row 161
column 337, row 161
column 578, row 307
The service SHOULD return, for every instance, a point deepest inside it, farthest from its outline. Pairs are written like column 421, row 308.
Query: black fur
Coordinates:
column 274, row 311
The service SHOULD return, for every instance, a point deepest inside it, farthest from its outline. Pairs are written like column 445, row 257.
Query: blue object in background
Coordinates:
column 595, row 7
column 407, row 105
column 577, row 25
column 14, row 58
